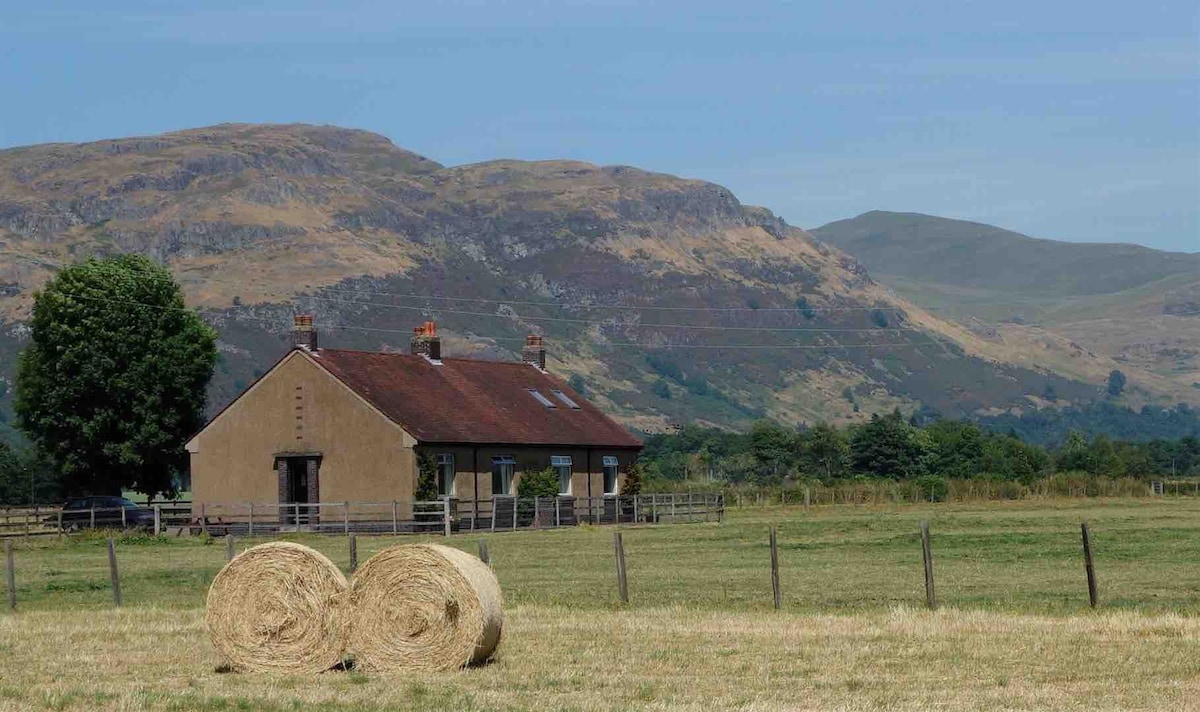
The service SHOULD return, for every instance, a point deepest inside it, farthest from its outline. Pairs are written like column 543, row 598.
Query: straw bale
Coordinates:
column 278, row 607
column 424, row 607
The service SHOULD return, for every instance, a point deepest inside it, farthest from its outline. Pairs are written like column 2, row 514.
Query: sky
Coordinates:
column 1073, row 121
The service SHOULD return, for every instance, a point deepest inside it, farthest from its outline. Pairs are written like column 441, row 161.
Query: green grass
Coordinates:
column 1014, row 632
column 1019, row 557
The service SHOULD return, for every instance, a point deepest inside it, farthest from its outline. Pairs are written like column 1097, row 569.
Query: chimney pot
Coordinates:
column 304, row 336
column 534, row 352
column 425, row 341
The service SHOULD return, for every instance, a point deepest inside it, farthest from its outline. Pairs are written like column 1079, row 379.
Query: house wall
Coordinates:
column 298, row 407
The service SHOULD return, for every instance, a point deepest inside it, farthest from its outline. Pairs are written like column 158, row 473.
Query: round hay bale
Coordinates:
column 424, row 607
column 277, row 607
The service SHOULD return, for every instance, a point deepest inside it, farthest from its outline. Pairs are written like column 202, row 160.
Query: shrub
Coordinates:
column 934, row 488
column 538, row 483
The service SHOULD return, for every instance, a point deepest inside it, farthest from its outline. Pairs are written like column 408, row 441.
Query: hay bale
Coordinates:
column 424, row 607
column 278, row 607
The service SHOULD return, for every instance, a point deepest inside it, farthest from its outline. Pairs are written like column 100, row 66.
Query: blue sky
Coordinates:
column 1068, row 120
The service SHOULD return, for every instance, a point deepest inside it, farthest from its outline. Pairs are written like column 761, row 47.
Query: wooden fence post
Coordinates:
column 515, row 499
column 229, row 547
column 157, row 520
column 622, row 581
column 557, row 512
column 493, row 502
column 346, row 517
column 536, row 499
column 250, row 521
column 395, row 517
column 775, row 571
column 807, row 497
column 353, row 553
column 927, row 553
column 484, row 556
column 93, row 516
column 203, row 520
column 112, row 572
column 1087, row 560
column 446, row 516
column 10, row 575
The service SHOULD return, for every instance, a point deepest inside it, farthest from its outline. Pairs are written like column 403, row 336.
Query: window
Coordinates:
column 503, row 468
column 566, row 400
column 541, row 398
column 562, row 467
column 445, row 474
column 610, row 474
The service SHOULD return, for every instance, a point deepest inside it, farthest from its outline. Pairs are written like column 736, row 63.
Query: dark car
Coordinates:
column 86, row 512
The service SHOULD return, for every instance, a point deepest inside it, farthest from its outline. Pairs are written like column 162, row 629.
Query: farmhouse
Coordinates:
column 331, row 425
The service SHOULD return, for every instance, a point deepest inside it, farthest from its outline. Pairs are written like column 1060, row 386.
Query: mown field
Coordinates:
column 1014, row 630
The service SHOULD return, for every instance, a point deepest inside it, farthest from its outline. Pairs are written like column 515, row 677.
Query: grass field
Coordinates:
column 1015, row 630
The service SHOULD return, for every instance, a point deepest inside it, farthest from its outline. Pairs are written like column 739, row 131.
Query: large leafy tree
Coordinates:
column 887, row 446
column 825, row 452
column 113, row 381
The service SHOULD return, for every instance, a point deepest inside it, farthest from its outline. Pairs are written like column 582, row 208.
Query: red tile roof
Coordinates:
column 469, row 401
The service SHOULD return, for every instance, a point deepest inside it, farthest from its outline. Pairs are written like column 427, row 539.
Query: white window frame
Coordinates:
column 445, row 486
column 566, row 400
column 537, row 396
column 607, row 462
column 507, row 472
column 561, row 464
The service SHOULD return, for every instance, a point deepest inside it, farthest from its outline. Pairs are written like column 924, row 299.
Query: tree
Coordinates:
column 773, row 448
column 886, row 447
column 1116, row 383
column 956, row 449
column 635, row 479
column 1074, row 456
column 577, row 384
column 825, row 452
column 427, row 473
column 113, row 380
column 661, row 389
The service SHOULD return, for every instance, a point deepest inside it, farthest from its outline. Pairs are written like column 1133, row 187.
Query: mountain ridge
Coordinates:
column 257, row 221
column 1134, row 304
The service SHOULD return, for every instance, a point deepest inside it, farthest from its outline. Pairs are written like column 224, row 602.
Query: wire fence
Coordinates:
column 444, row 516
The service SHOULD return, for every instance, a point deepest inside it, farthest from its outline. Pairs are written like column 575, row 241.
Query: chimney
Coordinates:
column 304, row 336
column 534, row 352
column 425, row 341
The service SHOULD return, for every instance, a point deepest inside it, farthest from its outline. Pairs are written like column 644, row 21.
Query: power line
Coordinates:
column 225, row 315
column 570, row 305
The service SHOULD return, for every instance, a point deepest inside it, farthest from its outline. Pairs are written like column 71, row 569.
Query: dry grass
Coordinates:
column 699, row 634
column 555, row 658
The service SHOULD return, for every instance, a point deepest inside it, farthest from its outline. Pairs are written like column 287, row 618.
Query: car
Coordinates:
column 104, row 511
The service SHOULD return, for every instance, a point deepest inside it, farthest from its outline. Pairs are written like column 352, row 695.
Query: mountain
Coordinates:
column 668, row 299
column 1135, row 306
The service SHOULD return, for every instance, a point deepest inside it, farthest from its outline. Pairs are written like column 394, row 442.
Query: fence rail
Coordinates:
column 443, row 516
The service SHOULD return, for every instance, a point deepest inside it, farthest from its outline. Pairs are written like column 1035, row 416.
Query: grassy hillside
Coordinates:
column 1128, row 306
column 668, row 297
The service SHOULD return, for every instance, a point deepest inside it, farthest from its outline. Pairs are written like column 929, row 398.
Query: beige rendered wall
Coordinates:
column 298, row 407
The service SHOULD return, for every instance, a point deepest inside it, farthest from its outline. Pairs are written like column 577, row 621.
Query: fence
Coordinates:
column 953, row 490
column 444, row 516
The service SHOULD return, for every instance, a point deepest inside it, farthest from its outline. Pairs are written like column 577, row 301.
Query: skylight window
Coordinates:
column 565, row 399
column 541, row 398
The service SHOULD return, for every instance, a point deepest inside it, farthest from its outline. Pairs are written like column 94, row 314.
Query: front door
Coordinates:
column 298, row 491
